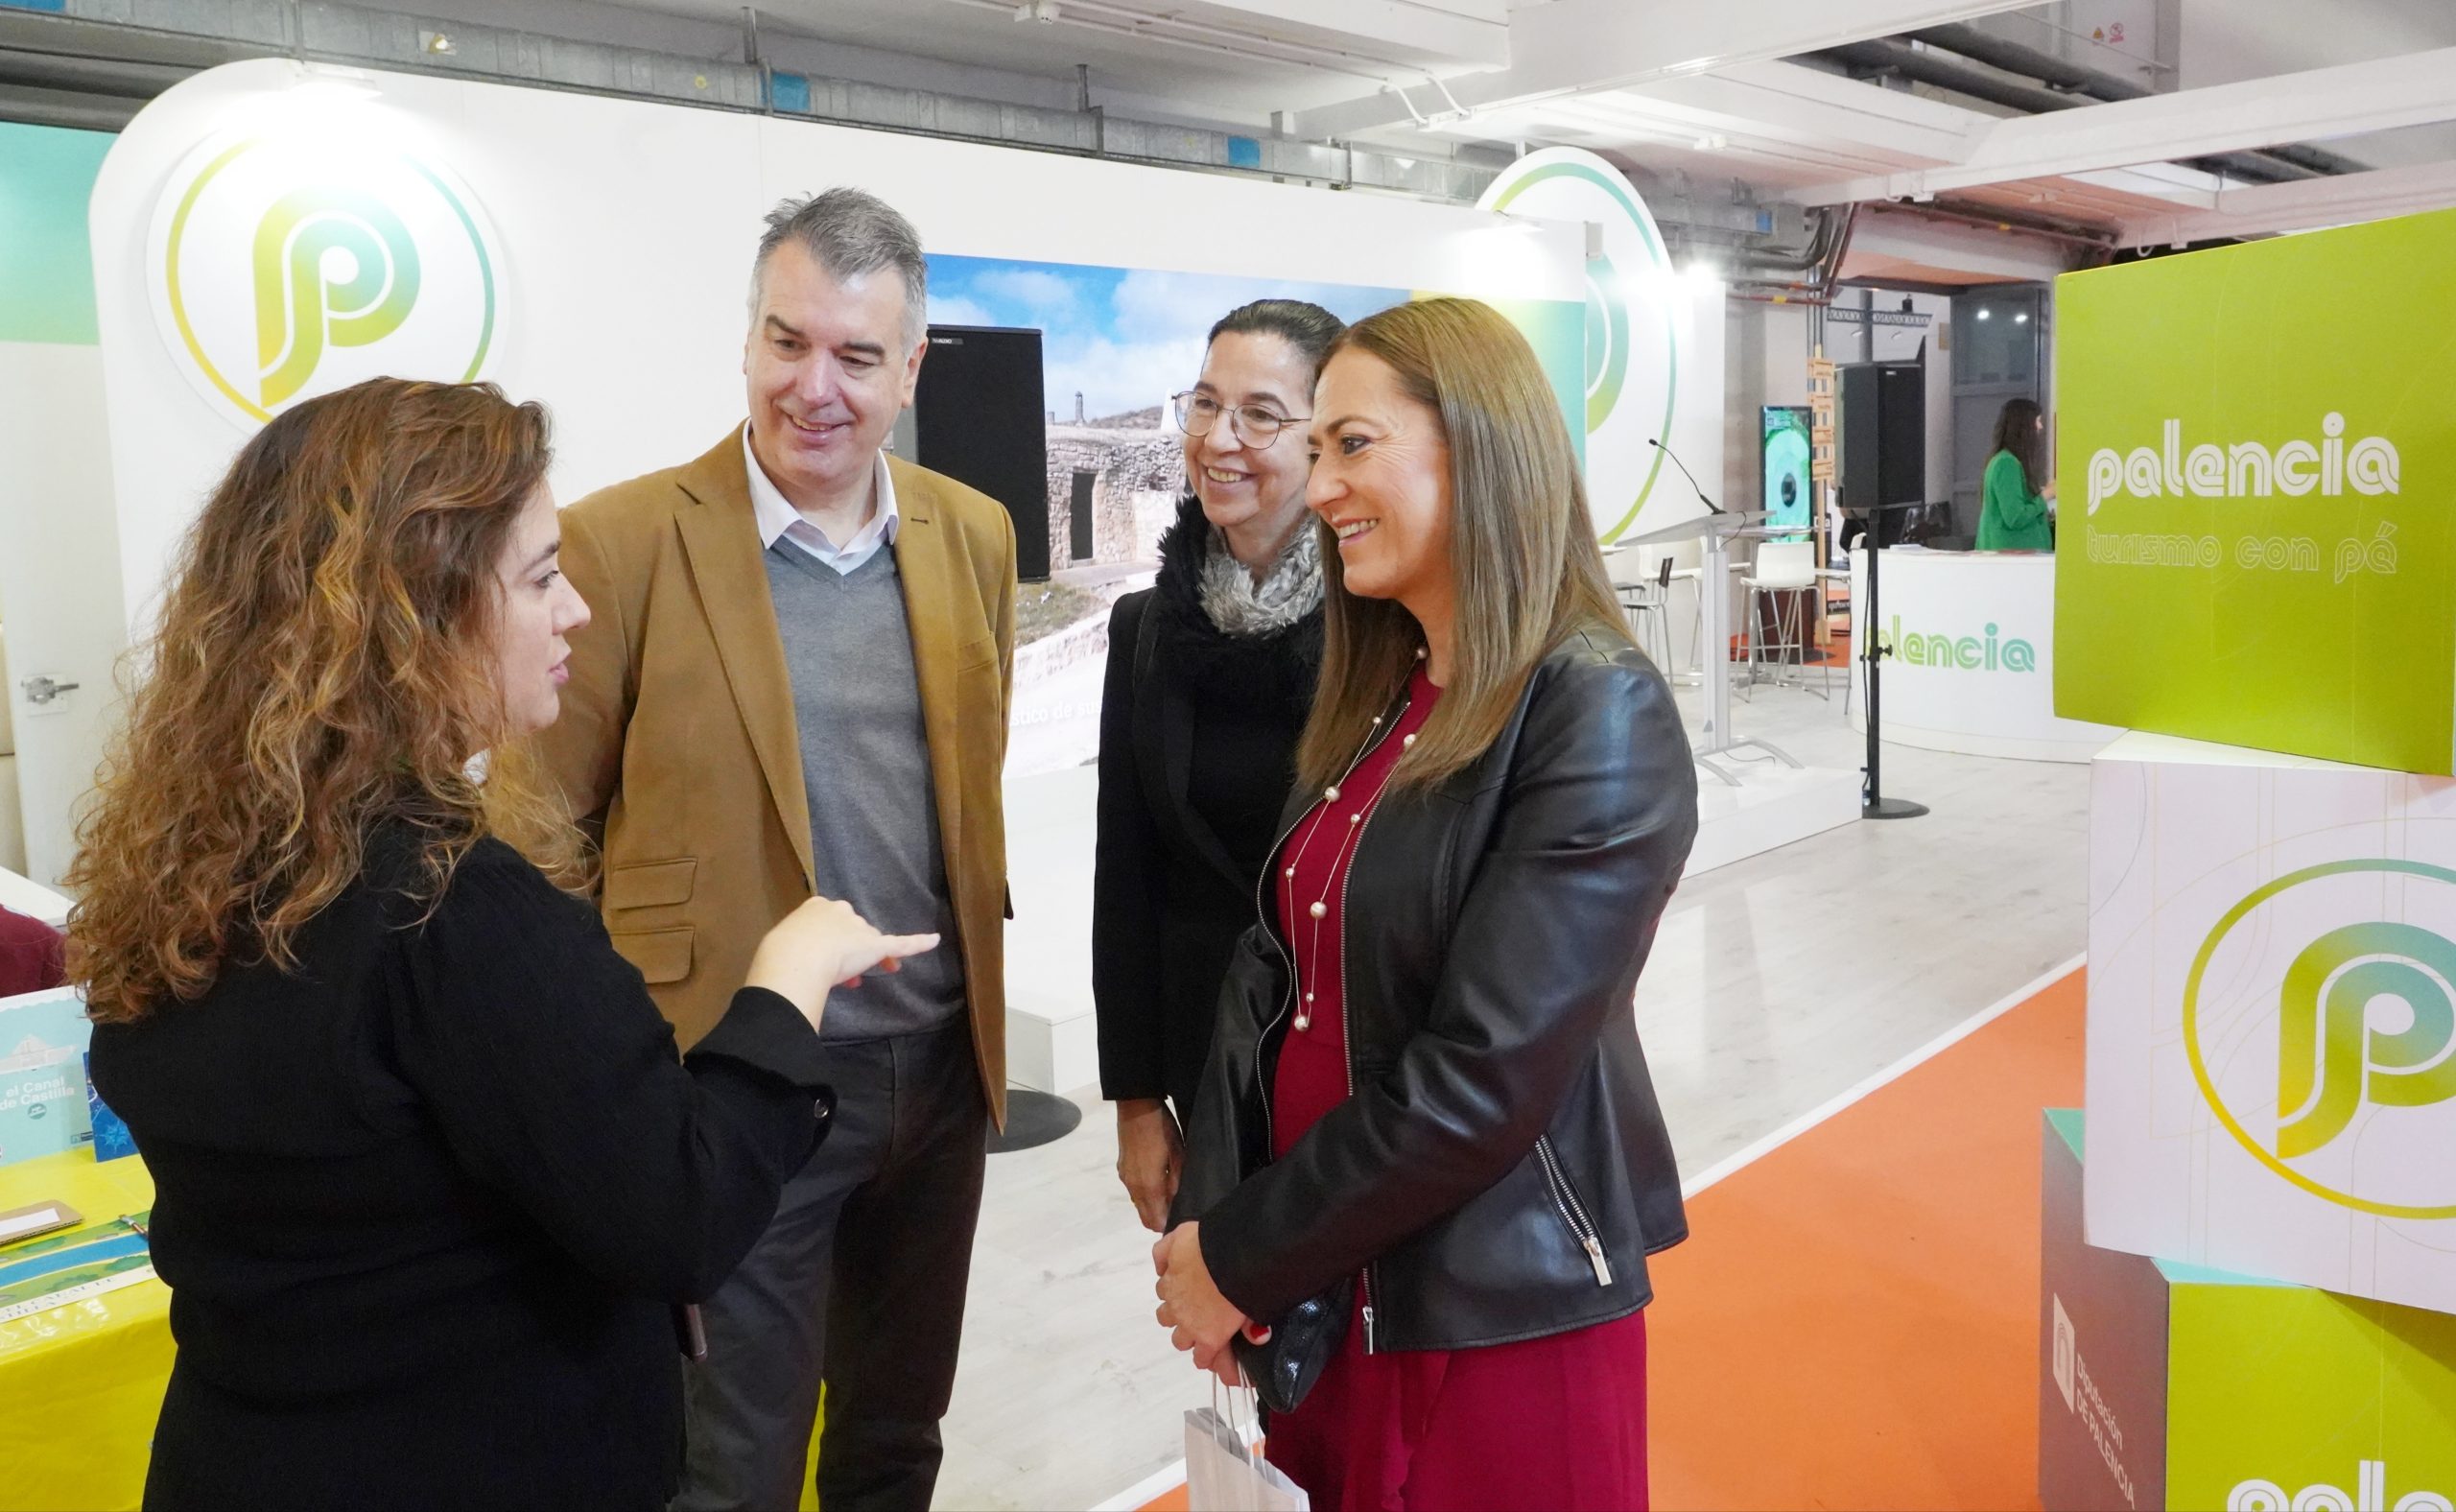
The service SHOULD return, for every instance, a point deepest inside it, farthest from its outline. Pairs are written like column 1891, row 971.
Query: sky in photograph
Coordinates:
column 1125, row 338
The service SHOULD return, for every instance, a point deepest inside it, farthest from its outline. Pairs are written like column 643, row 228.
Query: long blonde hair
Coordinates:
column 324, row 664
column 1523, row 553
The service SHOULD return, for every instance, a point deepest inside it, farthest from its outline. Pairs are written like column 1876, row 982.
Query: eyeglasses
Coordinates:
column 1250, row 423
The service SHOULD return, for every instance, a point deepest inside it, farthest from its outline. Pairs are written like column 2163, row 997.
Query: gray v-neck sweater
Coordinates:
column 865, row 772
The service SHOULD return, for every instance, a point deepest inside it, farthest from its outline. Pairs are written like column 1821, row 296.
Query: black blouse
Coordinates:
column 424, row 1205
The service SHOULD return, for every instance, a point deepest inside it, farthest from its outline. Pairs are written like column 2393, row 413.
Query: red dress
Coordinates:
column 1558, row 1422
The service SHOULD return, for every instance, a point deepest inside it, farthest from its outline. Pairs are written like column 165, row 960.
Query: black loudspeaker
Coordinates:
column 977, row 418
column 1883, row 456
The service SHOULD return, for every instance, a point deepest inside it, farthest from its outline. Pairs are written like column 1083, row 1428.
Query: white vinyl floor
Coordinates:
column 1776, row 984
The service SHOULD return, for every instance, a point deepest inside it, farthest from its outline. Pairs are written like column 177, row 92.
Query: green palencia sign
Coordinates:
column 1990, row 652
column 2258, row 538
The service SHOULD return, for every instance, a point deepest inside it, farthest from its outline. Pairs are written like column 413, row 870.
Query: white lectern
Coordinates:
column 1714, row 609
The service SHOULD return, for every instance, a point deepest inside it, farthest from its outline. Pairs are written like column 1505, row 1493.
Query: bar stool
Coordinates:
column 1648, row 603
column 1784, row 571
column 1826, row 580
column 1695, row 578
column 1643, row 596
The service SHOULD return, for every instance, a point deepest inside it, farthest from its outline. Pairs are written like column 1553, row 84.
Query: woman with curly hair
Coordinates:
column 428, row 1172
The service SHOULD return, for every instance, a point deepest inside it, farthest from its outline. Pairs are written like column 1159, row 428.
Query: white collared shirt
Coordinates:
column 778, row 519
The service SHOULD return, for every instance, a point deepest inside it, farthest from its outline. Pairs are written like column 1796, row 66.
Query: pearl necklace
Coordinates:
column 1319, row 909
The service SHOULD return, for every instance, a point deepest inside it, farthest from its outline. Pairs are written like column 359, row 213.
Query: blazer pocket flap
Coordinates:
column 661, row 956
column 983, row 652
column 650, row 883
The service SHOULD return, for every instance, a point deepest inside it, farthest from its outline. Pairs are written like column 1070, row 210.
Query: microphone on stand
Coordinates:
column 1712, row 507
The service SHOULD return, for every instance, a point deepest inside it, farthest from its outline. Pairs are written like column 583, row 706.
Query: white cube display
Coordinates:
column 2272, row 1019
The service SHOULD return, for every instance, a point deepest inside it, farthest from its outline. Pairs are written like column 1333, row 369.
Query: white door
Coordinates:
column 60, row 603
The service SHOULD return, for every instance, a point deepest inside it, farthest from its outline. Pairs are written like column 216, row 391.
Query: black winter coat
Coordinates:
column 1198, row 753
column 1501, row 1169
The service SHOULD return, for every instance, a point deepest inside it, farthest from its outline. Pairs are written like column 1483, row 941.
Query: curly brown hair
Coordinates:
column 323, row 665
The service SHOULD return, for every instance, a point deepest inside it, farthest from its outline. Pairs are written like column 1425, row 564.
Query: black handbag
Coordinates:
column 1224, row 1147
column 1284, row 1367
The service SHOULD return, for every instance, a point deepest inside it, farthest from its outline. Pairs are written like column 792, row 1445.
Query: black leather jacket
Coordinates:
column 1501, row 1170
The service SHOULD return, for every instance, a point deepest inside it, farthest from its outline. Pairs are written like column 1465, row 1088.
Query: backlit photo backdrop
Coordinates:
column 1116, row 342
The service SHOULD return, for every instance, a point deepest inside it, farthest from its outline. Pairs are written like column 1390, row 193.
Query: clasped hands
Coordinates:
column 1197, row 1317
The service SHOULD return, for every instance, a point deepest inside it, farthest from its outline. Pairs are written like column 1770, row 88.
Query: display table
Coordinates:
column 80, row 1384
column 1972, row 642
column 22, row 896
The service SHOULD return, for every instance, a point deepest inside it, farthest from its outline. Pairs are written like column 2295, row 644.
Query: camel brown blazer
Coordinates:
column 676, row 744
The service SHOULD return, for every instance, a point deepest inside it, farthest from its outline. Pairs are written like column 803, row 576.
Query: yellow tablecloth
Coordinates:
column 81, row 1386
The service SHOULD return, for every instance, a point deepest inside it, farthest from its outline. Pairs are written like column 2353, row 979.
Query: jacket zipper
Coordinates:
column 1261, row 913
column 1573, row 1210
column 1347, row 1039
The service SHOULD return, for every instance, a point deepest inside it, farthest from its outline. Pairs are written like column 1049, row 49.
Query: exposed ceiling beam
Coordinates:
column 1809, row 107
column 2172, row 183
column 1576, row 46
column 1971, row 249
column 2379, row 95
column 1473, row 33
column 2307, row 204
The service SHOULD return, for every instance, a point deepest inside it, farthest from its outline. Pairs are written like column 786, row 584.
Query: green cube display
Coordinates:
column 2257, row 462
column 2162, row 1384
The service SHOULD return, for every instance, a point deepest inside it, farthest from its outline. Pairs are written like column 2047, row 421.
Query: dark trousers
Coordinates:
column 860, row 1281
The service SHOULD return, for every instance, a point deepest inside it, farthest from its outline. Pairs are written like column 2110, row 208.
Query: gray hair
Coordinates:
column 850, row 233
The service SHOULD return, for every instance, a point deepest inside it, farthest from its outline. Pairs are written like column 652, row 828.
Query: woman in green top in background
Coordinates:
column 2012, row 516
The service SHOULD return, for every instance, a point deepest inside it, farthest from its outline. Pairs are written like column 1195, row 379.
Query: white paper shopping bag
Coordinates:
column 1225, row 1474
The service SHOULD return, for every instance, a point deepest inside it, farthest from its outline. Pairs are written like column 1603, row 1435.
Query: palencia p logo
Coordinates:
column 1632, row 343
column 2363, row 1018
column 2331, row 1057
column 285, row 264
column 330, row 268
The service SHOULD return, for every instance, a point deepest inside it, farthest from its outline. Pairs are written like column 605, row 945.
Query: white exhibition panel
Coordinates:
column 1972, row 668
column 625, row 231
column 59, row 585
column 2271, row 1041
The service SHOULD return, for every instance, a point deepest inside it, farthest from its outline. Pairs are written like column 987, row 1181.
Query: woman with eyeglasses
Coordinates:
column 1210, row 680
column 1427, row 1166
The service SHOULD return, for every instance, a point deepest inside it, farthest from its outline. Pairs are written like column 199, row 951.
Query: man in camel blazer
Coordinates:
column 795, row 682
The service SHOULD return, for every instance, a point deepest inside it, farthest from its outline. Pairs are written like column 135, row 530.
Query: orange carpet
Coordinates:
column 1854, row 1323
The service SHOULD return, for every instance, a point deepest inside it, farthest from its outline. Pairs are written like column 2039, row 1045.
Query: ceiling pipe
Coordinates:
column 2057, row 73
column 72, row 109
column 136, row 82
column 1990, row 221
column 1945, row 71
column 1823, row 265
